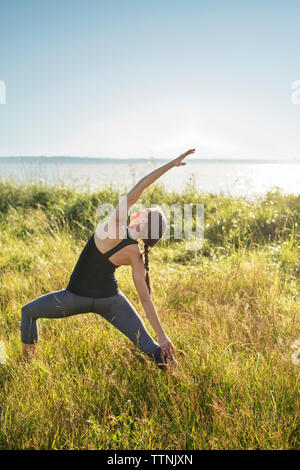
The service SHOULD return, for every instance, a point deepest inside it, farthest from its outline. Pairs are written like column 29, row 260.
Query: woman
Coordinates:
column 93, row 287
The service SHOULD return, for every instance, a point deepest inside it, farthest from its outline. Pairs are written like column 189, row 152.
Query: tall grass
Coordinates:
column 231, row 309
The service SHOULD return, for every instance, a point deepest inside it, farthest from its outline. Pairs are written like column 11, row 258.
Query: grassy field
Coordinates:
column 231, row 309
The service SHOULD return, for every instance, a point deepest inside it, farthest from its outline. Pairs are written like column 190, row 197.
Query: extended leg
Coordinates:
column 121, row 313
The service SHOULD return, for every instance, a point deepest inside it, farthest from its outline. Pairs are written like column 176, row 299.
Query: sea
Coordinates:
column 248, row 178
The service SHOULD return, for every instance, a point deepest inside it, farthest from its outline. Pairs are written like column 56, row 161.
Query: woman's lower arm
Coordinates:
column 146, row 181
column 152, row 316
column 155, row 174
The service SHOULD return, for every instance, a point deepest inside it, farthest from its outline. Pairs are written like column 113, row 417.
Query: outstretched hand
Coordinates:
column 167, row 348
column 179, row 160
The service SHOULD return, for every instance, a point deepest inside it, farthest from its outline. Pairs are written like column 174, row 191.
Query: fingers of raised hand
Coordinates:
column 189, row 152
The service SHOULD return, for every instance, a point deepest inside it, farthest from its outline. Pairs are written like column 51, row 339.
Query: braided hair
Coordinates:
column 146, row 263
column 149, row 242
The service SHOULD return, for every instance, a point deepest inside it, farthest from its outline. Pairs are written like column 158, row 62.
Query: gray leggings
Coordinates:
column 116, row 309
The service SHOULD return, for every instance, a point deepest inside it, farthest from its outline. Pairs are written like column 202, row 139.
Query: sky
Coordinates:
column 140, row 79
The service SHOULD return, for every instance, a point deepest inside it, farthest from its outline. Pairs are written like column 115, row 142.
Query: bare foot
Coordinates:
column 29, row 350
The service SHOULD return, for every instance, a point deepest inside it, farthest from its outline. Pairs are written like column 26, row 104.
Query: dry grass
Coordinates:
column 233, row 317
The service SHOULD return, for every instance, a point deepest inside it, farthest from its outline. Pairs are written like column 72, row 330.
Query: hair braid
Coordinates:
column 146, row 263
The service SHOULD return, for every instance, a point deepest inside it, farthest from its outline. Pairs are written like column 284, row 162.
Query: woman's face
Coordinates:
column 138, row 220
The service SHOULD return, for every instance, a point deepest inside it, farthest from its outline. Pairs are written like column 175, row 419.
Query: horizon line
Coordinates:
column 152, row 159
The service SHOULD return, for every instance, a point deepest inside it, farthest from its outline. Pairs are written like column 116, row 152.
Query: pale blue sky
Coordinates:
column 126, row 78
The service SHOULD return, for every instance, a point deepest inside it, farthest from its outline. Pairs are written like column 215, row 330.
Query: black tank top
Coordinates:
column 94, row 275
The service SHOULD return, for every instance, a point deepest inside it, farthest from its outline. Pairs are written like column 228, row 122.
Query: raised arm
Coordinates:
column 121, row 212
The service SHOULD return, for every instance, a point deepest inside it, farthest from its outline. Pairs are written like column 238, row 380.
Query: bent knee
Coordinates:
column 27, row 311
